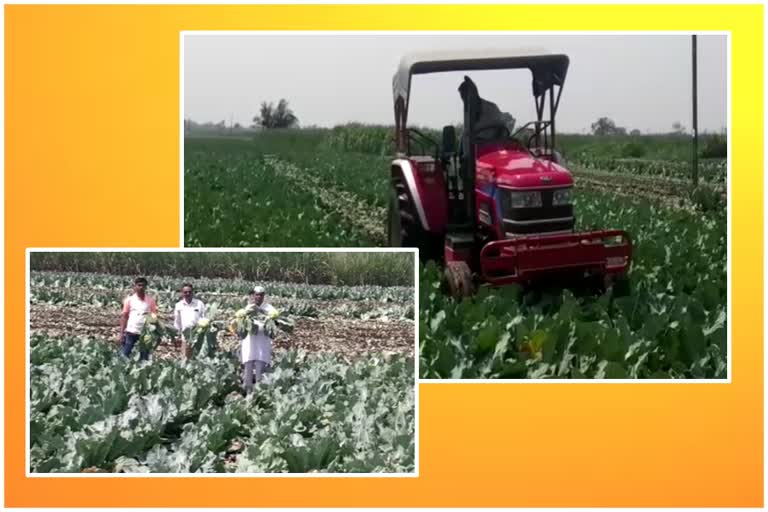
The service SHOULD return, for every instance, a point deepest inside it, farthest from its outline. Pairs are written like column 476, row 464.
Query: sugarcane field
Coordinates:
column 164, row 362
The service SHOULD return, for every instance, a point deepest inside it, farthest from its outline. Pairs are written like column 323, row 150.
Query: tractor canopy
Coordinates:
column 547, row 69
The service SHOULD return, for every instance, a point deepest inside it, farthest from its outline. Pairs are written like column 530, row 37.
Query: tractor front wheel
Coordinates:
column 457, row 280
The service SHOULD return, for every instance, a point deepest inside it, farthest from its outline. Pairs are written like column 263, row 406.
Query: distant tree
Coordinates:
column 606, row 126
column 678, row 128
column 264, row 119
column 635, row 132
column 238, row 126
column 280, row 116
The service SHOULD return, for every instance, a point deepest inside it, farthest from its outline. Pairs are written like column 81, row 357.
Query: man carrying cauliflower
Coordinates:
column 189, row 311
column 256, row 345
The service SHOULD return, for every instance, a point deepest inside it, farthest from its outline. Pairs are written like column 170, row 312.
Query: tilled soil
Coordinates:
column 353, row 337
column 334, row 307
column 350, row 337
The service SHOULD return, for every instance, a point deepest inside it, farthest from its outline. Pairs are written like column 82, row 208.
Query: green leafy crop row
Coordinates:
column 93, row 410
column 249, row 194
column 671, row 325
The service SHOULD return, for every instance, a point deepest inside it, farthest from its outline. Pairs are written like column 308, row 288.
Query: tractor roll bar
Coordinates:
column 547, row 70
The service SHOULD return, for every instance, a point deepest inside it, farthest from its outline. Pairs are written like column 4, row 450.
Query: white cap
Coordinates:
column 258, row 289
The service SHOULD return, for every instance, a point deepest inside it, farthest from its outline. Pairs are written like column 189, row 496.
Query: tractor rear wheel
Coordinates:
column 404, row 228
column 457, row 280
column 397, row 234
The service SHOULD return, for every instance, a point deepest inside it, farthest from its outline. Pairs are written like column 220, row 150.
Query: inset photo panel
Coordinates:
column 221, row 362
column 567, row 192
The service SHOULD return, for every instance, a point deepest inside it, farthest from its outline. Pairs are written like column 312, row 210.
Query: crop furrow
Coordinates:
column 364, row 218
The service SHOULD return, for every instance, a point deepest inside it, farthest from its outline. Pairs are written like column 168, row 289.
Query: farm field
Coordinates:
column 282, row 194
column 307, row 188
column 338, row 398
column 671, row 325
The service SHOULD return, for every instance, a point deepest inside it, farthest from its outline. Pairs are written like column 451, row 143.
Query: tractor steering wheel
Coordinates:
column 529, row 140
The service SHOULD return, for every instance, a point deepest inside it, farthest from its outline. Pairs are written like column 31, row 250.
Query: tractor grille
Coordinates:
column 544, row 219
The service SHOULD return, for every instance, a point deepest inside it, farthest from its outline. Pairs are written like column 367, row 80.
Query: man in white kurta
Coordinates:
column 256, row 349
column 188, row 311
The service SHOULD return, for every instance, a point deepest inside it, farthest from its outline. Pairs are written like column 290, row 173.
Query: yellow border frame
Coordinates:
column 92, row 122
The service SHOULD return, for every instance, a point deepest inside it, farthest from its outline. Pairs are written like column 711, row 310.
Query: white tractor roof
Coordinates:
column 547, row 68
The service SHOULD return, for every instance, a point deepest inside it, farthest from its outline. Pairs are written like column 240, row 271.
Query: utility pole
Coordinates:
column 695, row 117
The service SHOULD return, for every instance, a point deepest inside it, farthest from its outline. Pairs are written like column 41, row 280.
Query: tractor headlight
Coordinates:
column 524, row 199
column 561, row 197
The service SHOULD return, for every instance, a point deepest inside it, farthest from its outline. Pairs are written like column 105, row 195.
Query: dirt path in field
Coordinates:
column 363, row 217
column 670, row 192
column 350, row 337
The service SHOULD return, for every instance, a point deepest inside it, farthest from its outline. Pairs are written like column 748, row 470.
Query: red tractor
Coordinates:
column 495, row 204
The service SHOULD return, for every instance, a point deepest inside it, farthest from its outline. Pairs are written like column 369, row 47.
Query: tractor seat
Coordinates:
column 491, row 134
column 488, row 135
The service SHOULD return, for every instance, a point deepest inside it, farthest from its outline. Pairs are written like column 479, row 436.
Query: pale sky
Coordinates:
column 639, row 81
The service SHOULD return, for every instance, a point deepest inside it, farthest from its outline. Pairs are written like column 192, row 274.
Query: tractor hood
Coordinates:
column 515, row 167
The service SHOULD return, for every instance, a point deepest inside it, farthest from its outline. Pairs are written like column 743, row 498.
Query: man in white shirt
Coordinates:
column 136, row 307
column 188, row 311
column 256, row 349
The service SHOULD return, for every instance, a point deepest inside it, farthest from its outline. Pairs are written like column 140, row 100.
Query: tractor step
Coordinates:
column 459, row 247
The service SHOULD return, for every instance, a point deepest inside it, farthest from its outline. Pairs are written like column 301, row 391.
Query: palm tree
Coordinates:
column 276, row 117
